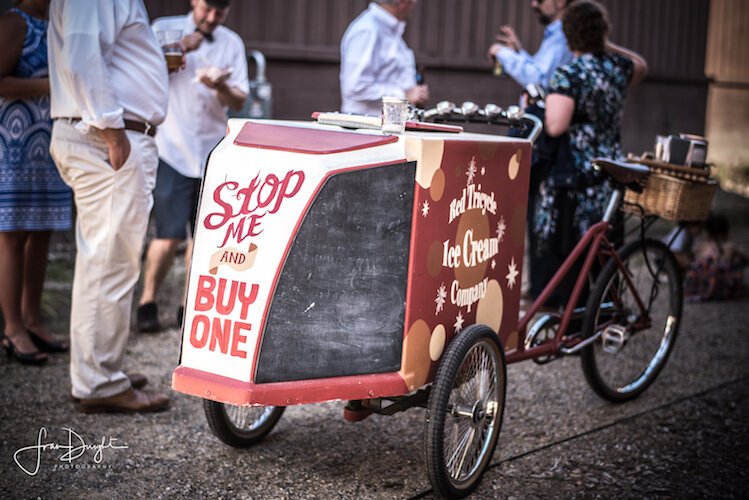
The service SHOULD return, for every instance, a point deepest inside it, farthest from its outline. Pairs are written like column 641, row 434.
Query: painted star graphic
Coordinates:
column 512, row 274
column 425, row 208
column 440, row 300
column 501, row 227
column 483, row 170
column 458, row 322
column 471, row 172
column 494, row 263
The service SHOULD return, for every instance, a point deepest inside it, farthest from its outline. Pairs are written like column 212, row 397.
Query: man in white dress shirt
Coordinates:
column 375, row 60
column 108, row 80
column 214, row 79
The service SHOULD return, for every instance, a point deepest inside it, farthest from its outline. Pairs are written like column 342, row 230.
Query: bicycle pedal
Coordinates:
column 613, row 338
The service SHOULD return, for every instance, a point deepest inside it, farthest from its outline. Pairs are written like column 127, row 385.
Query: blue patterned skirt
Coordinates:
column 33, row 197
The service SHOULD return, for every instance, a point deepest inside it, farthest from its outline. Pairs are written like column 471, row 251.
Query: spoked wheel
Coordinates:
column 633, row 347
column 241, row 426
column 464, row 414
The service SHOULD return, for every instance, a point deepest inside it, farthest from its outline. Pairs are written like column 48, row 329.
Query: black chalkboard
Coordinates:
column 338, row 308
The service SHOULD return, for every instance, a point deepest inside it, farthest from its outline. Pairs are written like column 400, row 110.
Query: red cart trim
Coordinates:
column 226, row 390
column 306, row 140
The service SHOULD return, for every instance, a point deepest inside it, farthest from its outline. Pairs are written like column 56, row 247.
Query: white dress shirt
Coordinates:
column 197, row 119
column 538, row 68
column 375, row 62
column 105, row 64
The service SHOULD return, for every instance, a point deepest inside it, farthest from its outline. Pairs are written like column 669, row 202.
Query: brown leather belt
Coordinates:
column 143, row 128
column 134, row 125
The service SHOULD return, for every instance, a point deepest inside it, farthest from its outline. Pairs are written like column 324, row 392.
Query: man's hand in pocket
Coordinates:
column 119, row 146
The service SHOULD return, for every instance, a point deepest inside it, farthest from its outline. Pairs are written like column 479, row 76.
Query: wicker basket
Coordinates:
column 672, row 198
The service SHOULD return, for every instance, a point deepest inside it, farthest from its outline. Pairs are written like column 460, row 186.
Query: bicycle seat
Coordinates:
column 622, row 172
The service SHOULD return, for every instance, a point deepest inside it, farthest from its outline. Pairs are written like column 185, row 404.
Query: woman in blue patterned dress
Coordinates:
column 586, row 100
column 33, row 199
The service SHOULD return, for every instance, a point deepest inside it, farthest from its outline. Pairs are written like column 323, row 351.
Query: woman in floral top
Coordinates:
column 586, row 100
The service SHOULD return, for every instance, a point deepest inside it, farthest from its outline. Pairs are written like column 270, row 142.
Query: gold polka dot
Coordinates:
column 437, row 189
column 487, row 149
column 514, row 167
column 491, row 307
column 434, row 259
column 437, row 342
column 512, row 342
column 428, row 155
column 415, row 363
column 476, row 222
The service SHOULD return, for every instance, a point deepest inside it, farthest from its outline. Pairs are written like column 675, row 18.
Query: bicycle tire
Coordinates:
column 257, row 422
column 620, row 372
column 471, row 379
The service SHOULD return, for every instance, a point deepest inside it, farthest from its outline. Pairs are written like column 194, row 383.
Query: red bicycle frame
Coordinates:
column 598, row 245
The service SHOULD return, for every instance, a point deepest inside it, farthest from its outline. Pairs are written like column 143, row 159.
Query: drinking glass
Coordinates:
column 171, row 44
column 394, row 114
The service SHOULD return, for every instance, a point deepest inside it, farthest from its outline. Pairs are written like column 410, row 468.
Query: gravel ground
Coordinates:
column 683, row 438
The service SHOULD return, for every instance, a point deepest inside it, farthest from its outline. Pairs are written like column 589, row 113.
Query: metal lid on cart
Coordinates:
column 306, row 140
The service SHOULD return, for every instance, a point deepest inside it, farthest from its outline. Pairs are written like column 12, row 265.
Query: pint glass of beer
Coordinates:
column 171, row 44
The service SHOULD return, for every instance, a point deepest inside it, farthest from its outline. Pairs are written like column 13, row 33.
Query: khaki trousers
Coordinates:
column 112, row 217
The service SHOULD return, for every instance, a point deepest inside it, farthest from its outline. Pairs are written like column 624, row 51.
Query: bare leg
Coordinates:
column 35, row 268
column 12, row 270
column 159, row 259
column 188, row 256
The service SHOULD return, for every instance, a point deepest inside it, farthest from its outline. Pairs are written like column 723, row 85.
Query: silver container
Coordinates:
column 682, row 149
column 697, row 150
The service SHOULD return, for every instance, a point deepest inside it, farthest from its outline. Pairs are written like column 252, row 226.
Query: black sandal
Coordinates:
column 25, row 358
column 47, row 345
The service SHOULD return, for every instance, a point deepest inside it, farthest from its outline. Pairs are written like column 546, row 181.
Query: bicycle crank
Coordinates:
column 543, row 330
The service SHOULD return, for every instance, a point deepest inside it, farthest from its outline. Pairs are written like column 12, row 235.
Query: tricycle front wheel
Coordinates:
column 241, row 426
column 464, row 413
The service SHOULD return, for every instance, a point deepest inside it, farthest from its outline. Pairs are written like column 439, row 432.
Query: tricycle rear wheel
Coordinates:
column 633, row 348
column 241, row 426
column 464, row 413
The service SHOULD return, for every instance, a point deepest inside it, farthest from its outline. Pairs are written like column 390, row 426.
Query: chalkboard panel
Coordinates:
column 338, row 308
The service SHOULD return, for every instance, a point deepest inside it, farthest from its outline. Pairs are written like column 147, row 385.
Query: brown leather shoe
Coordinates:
column 137, row 381
column 130, row 401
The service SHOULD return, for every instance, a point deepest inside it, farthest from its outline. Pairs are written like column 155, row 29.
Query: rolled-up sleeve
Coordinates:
column 520, row 66
column 538, row 68
column 88, row 42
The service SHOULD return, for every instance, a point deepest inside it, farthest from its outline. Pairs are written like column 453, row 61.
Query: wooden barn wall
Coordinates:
column 728, row 42
column 300, row 39
column 727, row 65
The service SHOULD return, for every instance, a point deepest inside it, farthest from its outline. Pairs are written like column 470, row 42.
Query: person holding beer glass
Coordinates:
column 214, row 79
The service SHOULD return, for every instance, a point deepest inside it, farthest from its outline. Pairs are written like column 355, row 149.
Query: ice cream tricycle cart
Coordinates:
column 382, row 270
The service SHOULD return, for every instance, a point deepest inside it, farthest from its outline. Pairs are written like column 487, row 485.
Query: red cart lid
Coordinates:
column 306, row 140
